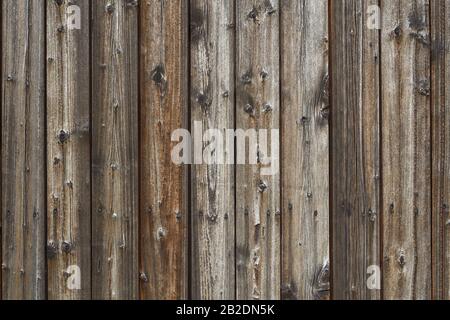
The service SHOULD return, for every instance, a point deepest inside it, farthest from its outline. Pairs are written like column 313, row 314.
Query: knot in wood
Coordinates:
column 66, row 247
column 246, row 78
column 109, row 8
column 249, row 109
column 262, row 186
column 143, row 277
column 63, row 136
column 267, row 108
column 401, row 258
column 52, row 249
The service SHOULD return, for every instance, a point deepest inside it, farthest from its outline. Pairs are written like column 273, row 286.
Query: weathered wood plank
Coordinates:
column 440, row 78
column 355, row 151
column 212, row 107
column 23, row 149
column 305, row 165
column 164, row 191
column 114, row 150
column 257, row 107
column 68, row 151
column 406, row 150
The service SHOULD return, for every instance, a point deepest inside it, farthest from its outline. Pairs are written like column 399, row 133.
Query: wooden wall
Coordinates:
column 92, row 206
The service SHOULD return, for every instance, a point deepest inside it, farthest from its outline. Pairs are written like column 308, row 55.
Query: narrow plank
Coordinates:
column 68, row 151
column 355, row 151
column 440, row 76
column 23, row 149
column 212, row 107
column 406, row 143
column 164, row 192
column 114, row 150
column 305, row 165
column 257, row 107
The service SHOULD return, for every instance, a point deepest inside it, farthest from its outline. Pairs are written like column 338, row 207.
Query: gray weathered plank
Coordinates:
column 68, row 151
column 440, row 78
column 305, row 165
column 212, row 107
column 258, row 260
column 164, row 191
column 355, row 151
column 406, row 153
column 23, row 149
column 114, row 150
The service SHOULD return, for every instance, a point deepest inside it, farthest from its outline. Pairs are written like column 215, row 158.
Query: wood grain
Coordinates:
column 305, row 165
column 23, row 150
column 355, row 151
column 115, row 150
column 89, row 185
column 164, row 191
column 406, row 149
column 212, row 107
column 258, row 211
column 440, row 77
column 68, row 153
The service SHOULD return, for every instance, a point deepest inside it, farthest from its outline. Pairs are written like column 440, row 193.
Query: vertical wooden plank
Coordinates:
column 257, row 107
column 114, row 150
column 23, row 149
column 406, row 150
column 355, row 148
column 440, row 77
column 68, row 151
column 305, row 165
column 212, row 107
column 164, row 192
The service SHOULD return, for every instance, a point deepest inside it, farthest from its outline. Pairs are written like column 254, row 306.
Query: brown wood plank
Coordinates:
column 355, row 150
column 406, row 144
column 258, row 259
column 440, row 77
column 164, row 191
column 23, row 149
column 212, row 107
column 115, row 150
column 68, row 152
column 305, row 165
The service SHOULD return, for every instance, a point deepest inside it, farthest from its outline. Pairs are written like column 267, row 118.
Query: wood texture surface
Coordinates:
column 213, row 189
column 355, row 150
column 115, row 150
column 305, row 164
column 440, row 77
column 23, row 150
column 258, row 212
column 406, row 149
column 163, row 185
column 68, row 153
column 358, row 207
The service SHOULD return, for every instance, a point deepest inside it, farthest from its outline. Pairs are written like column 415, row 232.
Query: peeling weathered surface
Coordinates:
column 406, row 150
column 304, row 99
column 355, row 140
column 164, row 97
column 68, row 152
column 440, row 59
column 23, row 149
column 212, row 105
column 114, row 150
column 258, row 260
